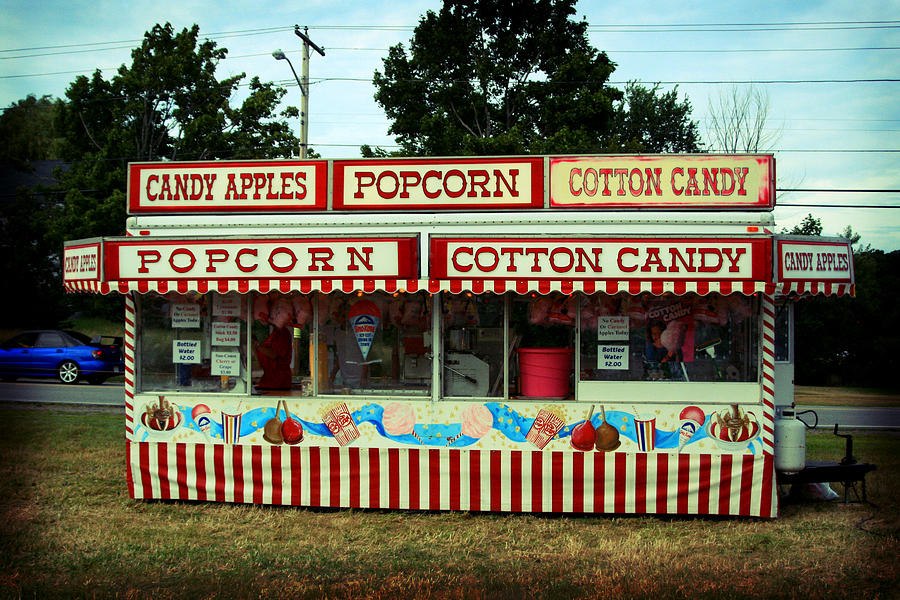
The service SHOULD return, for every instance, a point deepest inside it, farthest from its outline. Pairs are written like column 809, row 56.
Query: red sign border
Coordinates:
column 780, row 266
column 537, row 183
column 760, row 204
column 760, row 270
column 407, row 256
column 134, row 195
column 100, row 257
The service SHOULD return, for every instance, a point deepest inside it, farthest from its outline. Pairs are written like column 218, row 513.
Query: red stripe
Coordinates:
column 725, row 485
column 237, row 469
column 325, row 285
column 496, row 481
column 557, row 482
column 662, row 483
column 414, row 479
column 702, row 288
column 203, row 286
column 355, row 474
column 434, row 286
column 634, row 287
column 640, row 483
column 455, row 486
column 656, row 288
column 200, row 470
column 705, row 476
column 499, row 286
column 434, row 479
column 374, row 478
column 566, row 287
column 256, row 473
column 765, row 505
column 296, row 472
column 219, row 471
column 455, row 286
column 181, row 469
column 264, row 285
column 144, row 467
column 599, row 481
column 724, row 287
column 390, row 285
column 334, row 476
column 223, row 286
column 515, row 476
column 315, row 477
column 243, row 286
column 578, row 482
column 588, row 287
column 285, row 285
column 521, row 286
column 621, row 478
column 412, row 285
column 474, row 480
column 537, row 482
column 162, row 470
column 393, row 478
column 129, row 474
column 478, row 286
column 368, row 285
column 275, row 454
column 746, row 485
column 684, row 479
column 680, row 288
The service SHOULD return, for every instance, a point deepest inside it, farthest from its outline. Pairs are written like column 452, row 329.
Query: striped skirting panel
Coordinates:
column 452, row 479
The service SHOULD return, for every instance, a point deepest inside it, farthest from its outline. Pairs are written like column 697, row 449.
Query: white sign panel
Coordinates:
column 269, row 259
column 226, row 333
column 225, row 363
column 226, row 305
column 612, row 357
column 185, row 315
column 81, row 262
column 812, row 261
column 612, row 328
column 186, row 351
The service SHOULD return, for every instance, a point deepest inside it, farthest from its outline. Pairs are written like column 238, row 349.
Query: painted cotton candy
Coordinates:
column 398, row 419
column 477, row 421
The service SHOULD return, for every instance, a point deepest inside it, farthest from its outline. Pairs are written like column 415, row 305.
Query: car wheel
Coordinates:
column 68, row 372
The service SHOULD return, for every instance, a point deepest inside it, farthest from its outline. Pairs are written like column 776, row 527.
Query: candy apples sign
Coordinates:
column 815, row 261
column 218, row 187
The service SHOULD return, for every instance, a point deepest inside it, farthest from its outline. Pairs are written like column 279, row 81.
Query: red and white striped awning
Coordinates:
column 476, row 286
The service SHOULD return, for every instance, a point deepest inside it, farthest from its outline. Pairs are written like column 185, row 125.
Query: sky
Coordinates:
column 830, row 70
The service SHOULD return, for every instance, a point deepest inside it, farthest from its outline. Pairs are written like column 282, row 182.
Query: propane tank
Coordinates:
column 790, row 441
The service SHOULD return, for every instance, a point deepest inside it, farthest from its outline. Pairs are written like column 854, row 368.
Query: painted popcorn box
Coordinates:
column 340, row 423
column 546, row 425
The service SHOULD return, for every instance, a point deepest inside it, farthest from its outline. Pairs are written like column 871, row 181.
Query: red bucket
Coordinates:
column 545, row 372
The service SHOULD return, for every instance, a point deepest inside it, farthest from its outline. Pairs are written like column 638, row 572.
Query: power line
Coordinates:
column 779, row 204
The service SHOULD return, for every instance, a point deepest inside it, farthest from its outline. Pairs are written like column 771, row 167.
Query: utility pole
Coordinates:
column 304, row 87
column 302, row 82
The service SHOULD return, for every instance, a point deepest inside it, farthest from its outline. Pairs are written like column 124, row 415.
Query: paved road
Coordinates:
column 48, row 391
column 853, row 417
column 111, row 394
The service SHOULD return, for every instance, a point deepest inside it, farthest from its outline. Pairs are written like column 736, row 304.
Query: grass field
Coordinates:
column 69, row 530
column 808, row 395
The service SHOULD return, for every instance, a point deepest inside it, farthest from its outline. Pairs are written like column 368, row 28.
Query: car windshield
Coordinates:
column 80, row 337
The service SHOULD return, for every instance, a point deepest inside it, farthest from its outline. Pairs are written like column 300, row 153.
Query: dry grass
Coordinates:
column 69, row 530
column 810, row 395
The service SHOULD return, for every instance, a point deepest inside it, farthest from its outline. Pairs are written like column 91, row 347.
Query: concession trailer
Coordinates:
column 563, row 334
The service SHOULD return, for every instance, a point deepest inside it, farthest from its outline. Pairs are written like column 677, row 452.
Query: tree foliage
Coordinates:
column 739, row 121
column 518, row 77
column 28, row 131
column 167, row 105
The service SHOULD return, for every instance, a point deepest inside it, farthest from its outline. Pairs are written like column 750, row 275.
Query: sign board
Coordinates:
column 814, row 260
column 596, row 258
column 81, row 262
column 225, row 363
column 612, row 357
column 688, row 181
column 228, row 305
column 439, row 184
column 226, row 333
column 227, row 187
column 612, row 328
column 185, row 315
column 146, row 259
column 186, row 352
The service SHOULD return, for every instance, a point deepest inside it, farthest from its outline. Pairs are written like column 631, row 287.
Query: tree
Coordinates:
column 810, row 225
column 28, row 132
column 648, row 120
column 518, row 77
column 738, row 120
column 167, row 105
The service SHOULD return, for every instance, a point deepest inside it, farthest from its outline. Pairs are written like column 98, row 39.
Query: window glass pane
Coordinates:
column 281, row 338
column 50, row 340
column 376, row 343
column 543, row 330
column 669, row 338
column 472, row 328
column 195, row 343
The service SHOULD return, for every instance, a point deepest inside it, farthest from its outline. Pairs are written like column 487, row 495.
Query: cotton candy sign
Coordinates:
column 364, row 319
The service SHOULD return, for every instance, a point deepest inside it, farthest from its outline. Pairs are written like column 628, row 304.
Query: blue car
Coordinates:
column 67, row 355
